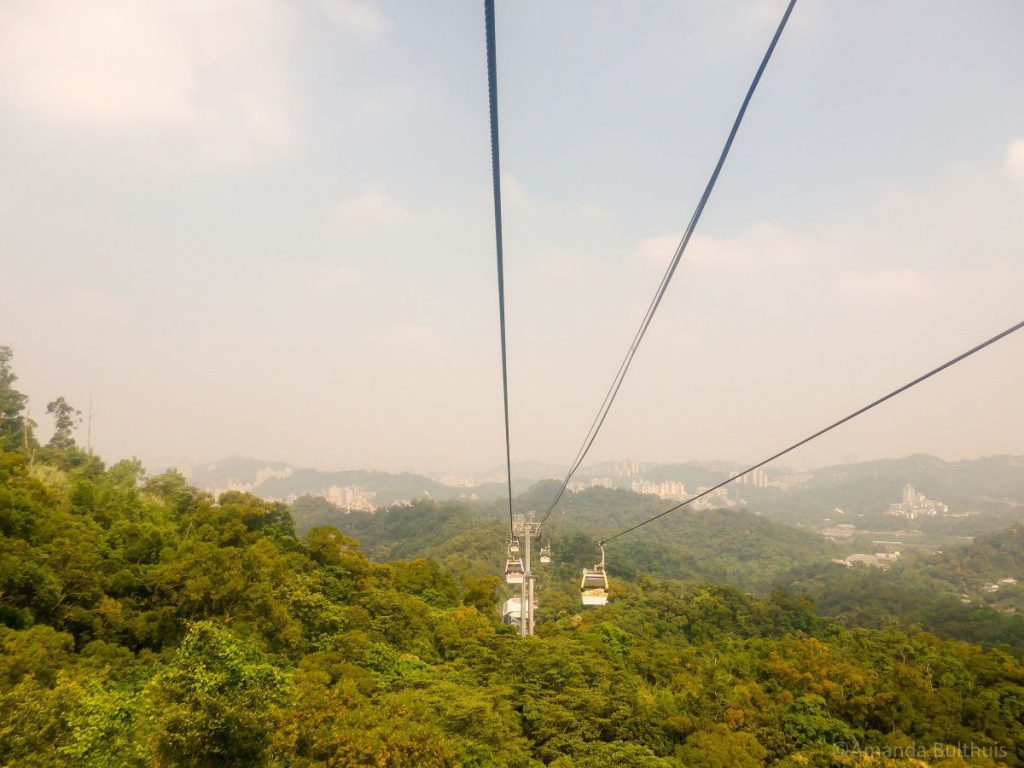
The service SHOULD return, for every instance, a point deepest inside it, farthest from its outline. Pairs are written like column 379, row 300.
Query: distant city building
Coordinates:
column 349, row 497
column 627, row 468
column 878, row 560
column 915, row 505
column 756, row 477
column 717, row 499
column 602, row 482
column 669, row 489
column 842, row 531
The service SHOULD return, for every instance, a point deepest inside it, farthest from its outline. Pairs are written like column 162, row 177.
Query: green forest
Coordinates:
column 145, row 623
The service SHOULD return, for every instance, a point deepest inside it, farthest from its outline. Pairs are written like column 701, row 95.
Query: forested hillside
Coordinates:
column 983, row 494
column 972, row 592
column 145, row 623
column 989, row 561
column 729, row 546
column 723, row 546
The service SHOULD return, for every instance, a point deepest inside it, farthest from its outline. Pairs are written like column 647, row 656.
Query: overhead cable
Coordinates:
column 492, row 94
column 613, row 390
column 829, row 428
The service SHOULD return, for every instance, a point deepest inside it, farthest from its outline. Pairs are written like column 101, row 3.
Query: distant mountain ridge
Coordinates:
column 279, row 480
column 991, row 486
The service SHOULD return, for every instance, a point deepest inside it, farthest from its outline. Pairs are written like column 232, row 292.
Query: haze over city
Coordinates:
column 265, row 228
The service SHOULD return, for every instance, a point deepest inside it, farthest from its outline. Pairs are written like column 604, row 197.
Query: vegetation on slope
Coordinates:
column 943, row 592
column 730, row 547
column 983, row 494
column 145, row 623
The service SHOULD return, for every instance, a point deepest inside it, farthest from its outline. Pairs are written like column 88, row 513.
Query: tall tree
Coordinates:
column 65, row 418
column 12, row 405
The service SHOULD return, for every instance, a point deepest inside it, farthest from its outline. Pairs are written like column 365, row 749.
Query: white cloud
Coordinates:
column 763, row 12
column 655, row 251
column 411, row 335
column 513, row 194
column 374, row 208
column 887, row 285
column 560, row 264
column 329, row 280
column 766, row 245
column 357, row 17
column 214, row 73
column 516, row 198
column 596, row 213
column 733, row 24
column 1014, row 164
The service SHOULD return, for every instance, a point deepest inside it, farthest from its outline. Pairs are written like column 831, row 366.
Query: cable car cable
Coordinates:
column 492, row 97
column 829, row 428
column 613, row 390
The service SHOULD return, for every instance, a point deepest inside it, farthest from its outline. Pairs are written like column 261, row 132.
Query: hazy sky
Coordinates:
column 263, row 227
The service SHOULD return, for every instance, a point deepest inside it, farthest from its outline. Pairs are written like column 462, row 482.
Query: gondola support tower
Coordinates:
column 526, row 528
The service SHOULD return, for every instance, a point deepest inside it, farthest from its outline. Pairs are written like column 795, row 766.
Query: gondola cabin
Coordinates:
column 545, row 553
column 514, row 571
column 594, row 586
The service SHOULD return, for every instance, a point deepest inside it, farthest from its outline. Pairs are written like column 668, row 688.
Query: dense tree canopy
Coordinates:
column 145, row 623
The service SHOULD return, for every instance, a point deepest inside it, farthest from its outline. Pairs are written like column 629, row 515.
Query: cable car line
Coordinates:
column 492, row 97
column 820, row 432
column 613, row 390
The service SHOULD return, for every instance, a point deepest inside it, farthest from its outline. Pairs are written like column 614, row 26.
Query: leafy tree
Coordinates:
column 215, row 704
column 721, row 748
column 14, row 425
column 65, row 419
column 807, row 721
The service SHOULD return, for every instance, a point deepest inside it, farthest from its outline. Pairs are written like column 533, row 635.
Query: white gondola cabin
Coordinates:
column 545, row 553
column 514, row 571
column 594, row 584
column 513, row 545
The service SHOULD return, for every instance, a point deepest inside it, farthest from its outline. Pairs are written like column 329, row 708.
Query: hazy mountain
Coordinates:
column 523, row 472
column 278, row 480
column 982, row 494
